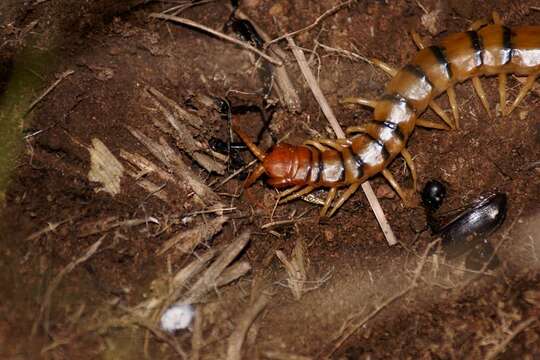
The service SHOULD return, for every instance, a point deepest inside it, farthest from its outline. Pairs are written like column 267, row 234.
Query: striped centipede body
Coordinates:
column 487, row 50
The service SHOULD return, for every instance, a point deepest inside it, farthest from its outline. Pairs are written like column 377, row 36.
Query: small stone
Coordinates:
column 329, row 235
column 385, row 192
column 276, row 10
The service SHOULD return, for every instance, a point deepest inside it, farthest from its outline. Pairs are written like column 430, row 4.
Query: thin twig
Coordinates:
column 236, row 340
column 234, row 174
column 312, row 25
column 413, row 284
column 492, row 354
column 49, row 89
column 319, row 96
column 218, row 34
column 285, row 88
column 45, row 308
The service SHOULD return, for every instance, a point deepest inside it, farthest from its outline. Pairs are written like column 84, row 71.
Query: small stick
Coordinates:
column 312, row 25
column 493, row 353
column 236, row 340
column 207, row 281
column 218, row 34
column 319, row 96
column 44, row 311
column 413, row 284
column 285, row 88
column 64, row 75
column 234, row 174
column 197, row 338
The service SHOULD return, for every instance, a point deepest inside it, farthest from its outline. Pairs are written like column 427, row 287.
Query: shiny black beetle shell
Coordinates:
column 473, row 224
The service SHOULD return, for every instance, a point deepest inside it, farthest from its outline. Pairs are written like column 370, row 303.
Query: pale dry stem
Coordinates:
column 196, row 25
column 45, row 308
column 236, row 340
column 325, row 107
column 412, row 285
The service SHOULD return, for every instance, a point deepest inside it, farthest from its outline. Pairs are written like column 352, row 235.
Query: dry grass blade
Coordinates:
column 192, row 23
column 183, row 136
column 169, row 158
column 45, row 308
column 233, row 272
column 61, row 78
column 105, row 168
column 319, row 96
column 236, row 340
column 187, row 241
column 207, row 281
column 109, row 223
column 296, row 268
column 181, row 113
column 285, row 89
column 278, row 355
column 497, row 350
column 47, row 229
column 324, row 15
column 412, row 285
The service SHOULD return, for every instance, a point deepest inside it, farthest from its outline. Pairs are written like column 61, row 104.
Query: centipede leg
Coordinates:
column 347, row 194
column 477, row 84
column 431, row 124
column 254, row 176
column 329, row 199
column 297, row 194
column 390, row 70
column 410, row 162
column 337, row 144
column 441, row 113
column 289, row 191
column 407, row 200
column 502, row 92
column 529, row 83
column 355, row 129
column 417, row 40
column 453, row 105
column 315, row 144
column 359, row 100
column 478, row 24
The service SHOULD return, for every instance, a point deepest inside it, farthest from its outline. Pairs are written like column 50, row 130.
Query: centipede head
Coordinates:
column 280, row 164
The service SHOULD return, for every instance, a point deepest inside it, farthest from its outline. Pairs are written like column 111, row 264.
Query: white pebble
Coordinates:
column 177, row 317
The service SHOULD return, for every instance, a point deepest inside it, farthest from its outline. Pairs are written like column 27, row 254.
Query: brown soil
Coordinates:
column 116, row 50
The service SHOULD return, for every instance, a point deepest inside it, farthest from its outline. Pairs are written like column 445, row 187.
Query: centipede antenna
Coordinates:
column 360, row 101
column 259, row 170
column 251, row 146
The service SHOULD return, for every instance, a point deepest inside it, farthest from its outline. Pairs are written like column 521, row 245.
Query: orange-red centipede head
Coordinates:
column 286, row 165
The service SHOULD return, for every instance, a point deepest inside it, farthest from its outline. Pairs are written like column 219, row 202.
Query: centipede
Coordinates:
column 485, row 49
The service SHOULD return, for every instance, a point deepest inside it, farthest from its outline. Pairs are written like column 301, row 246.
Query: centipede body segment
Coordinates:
column 332, row 163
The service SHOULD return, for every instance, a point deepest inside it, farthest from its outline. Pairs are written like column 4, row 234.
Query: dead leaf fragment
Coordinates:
column 104, row 168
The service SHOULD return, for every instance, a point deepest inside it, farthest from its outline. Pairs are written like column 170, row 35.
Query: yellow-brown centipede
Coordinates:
column 486, row 51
